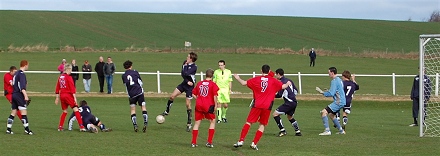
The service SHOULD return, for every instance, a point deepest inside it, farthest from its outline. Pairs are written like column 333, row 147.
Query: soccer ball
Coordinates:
column 160, row 119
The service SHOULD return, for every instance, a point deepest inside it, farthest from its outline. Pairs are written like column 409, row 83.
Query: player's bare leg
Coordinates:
column 175, row 93
column 195, row 133
column 211, row 132
column 188, row 113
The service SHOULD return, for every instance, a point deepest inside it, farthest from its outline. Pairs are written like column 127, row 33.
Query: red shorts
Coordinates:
column 9, row 97
column 203, row 115
column 258, row 114
column 67, row 100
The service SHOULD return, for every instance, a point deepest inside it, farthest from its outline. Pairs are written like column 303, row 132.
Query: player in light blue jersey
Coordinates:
column 337, row 92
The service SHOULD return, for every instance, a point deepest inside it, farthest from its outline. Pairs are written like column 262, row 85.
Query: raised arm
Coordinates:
column 242, row 82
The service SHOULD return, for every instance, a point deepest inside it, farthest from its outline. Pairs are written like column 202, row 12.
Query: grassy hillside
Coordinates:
column 104, row 30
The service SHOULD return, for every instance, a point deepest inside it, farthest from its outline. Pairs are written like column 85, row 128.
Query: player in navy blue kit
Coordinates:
column 350, row 86
column 90, row 120
column 20, row 99
column 289, row 105
column 133, row 83
column 188, row 73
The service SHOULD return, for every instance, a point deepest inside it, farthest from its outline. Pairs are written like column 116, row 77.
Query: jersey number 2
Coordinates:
column 129, row 78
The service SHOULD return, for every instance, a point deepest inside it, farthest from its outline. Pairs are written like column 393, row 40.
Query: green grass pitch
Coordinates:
column 375, row 128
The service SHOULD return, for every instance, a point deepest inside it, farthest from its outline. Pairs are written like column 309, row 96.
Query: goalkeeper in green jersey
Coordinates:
column 223, row 78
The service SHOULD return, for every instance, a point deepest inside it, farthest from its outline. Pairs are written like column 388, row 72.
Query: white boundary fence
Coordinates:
column 299, row 75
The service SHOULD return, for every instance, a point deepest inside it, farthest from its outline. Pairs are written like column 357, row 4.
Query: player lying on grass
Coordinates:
column 88, row 119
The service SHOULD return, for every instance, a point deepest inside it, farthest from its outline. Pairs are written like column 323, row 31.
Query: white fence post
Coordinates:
column 394, row 84
column 299, row 83
column 201, row 77
column 158, row 82
column 436, row 84
column 253, row 74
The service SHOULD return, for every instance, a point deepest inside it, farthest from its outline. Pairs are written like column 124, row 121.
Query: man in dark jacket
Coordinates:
column 415, row 96
column 99, row 69
column 87, row 78
column 109, row 71
column 74, row 69
column 312, row 55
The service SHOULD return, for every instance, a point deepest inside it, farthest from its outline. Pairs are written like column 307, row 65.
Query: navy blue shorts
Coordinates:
column 91, row 119
column 140, row 100
column 18, row 101
column 287, row 108
column 184, row 87
column 329, row 110
column 347, row 107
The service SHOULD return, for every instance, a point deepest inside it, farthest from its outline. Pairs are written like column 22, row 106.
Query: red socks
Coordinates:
column 244, row 131
column 210, row 135
column 194, row 137
column 78, row 118
column 257, row 136
column 62, row 118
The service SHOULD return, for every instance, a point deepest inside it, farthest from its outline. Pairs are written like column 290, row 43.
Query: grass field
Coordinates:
column 375, row 128
column 106, row 30
column 238, row 63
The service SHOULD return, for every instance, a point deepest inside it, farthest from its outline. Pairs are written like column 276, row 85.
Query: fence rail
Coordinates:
column 299, row 75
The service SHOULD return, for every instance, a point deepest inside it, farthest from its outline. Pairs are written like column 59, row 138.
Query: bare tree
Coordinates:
column 435, row 16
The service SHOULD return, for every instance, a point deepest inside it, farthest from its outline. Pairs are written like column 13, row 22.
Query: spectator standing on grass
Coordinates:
column 61, row 66
column 415, row 96
column 109, row 71
column 74, row 69
column 87, row 78
column 99, row 69
column 312, row 55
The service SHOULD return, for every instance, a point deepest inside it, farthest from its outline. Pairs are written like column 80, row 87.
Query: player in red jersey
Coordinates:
column 65, row 90
column 206, row 94
column 8, row 87
column 264, row 89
